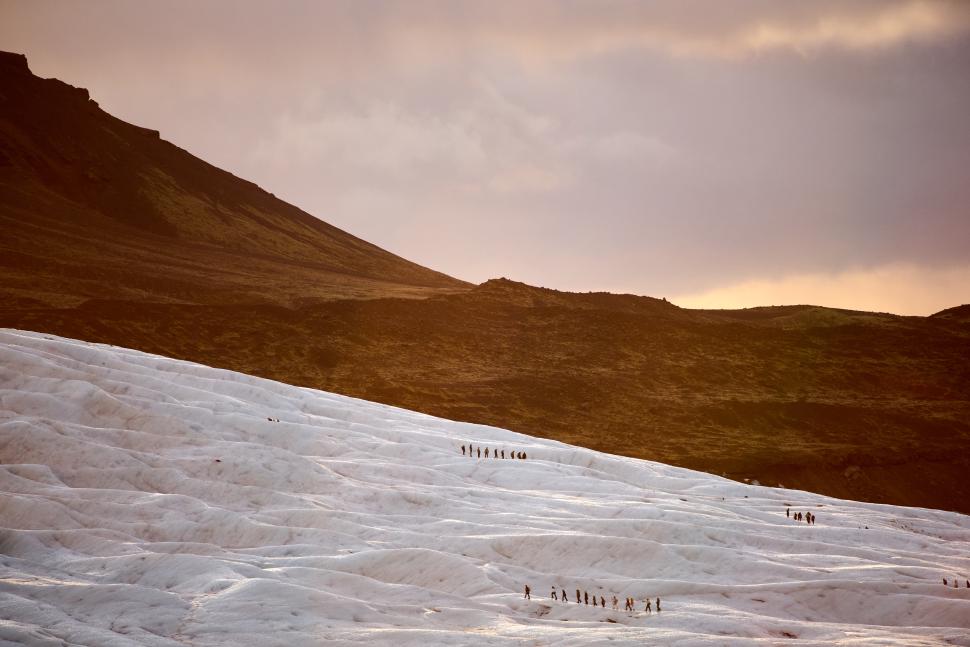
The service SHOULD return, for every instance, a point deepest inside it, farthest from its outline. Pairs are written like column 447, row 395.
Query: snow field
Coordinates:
column 149, row 501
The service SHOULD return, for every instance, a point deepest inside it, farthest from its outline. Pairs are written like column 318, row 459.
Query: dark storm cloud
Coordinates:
column 668, row 148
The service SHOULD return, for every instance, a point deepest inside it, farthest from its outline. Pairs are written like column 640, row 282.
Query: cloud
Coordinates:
column 901, row 289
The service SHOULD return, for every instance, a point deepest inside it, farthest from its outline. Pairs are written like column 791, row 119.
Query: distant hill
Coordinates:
column 957, row 313
column 111, row 234
column 93, row 207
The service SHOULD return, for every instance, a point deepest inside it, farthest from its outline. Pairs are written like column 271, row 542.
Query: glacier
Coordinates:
column 152, row 501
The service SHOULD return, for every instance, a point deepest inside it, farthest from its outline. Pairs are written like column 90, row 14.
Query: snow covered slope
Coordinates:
column 145, row 500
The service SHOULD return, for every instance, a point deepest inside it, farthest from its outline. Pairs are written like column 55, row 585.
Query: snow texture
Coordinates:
column 149, row 501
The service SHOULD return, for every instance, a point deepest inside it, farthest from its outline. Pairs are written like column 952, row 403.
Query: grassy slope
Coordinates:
column 864, row 406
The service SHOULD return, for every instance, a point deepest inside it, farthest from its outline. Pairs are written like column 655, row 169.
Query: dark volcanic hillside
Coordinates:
column 112, row 235
column 91, row 206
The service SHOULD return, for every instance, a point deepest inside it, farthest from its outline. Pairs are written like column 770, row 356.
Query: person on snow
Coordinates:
column 944, row 581
column 594, row 600
column 564, row 597
column 616, row 603
column 602, row 602
column 788, row 512
column 586, row 596
column 462, row 450
column 647, row 608
column 479, row 452
column 524, row 456
column 658, row 605
column 503, row 453
column 579, row 598
column 528, row 592
column 486, row 452
column 554, row 597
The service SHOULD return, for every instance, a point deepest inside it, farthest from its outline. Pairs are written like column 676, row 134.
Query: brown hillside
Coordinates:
column 96, row 246
column 92, row 207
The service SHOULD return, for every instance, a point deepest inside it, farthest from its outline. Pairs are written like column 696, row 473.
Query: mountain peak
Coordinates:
column 12, row 62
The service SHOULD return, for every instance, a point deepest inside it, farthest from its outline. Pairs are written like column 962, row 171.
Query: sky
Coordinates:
column 719, row 154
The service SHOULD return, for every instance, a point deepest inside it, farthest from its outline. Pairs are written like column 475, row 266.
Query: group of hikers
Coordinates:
column 956, row 583
column 807, row 517
column 472, row 451
column 583, row 597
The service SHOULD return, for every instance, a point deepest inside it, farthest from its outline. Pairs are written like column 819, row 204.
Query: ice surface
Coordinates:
column 150, row 501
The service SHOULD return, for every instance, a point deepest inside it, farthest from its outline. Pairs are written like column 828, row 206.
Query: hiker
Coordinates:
column 565, row 598
column 586, row 597
column 578, row 597
column 627, row 607
column 594, row 599
column 554, row 594
column 647, row 608
column 602, row 602
column 658, row 605
column 524, row 456
column 968, row 584
column 503, row 453
column 479, row 452
column 944, row 581
column 462, row 450
column 528, row 592
column 486, row 452
column 788, row 512
column 615, row 603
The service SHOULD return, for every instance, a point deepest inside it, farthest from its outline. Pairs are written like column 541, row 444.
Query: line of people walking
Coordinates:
column 476, row 452
column 583, row 597
column 956, row 583
column 807, row 517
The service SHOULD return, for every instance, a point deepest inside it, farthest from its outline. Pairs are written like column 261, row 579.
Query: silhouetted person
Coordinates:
column 586, row 596
column 968, row 584
column 503, row 453
column 479, row 452
column 616, row 603
column 944, row 581
column 486, row 452
column 524, row 456
column 658, row 605
column 565, row 598
column 462, row 450
column 579, row 598
column 594, row 600
column 554, row 594
column 647, row 608
column 602, row 602
column 528, row 592
column 788, row 512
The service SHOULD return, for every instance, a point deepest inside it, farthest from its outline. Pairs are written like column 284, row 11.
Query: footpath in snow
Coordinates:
column 149, row 501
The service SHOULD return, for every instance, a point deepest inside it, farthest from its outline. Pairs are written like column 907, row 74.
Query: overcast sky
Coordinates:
column 721, row 154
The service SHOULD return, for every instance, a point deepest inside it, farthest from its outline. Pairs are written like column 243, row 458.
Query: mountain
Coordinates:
column 91, row 206
column 148, row 501
column 958, row 313
column 851, row 404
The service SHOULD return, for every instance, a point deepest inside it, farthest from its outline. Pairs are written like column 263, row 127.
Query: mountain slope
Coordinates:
column 153, row 502
column 91, row 206
column 109, row 234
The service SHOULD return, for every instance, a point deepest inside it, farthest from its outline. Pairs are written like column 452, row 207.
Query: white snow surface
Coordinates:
column 149, row 501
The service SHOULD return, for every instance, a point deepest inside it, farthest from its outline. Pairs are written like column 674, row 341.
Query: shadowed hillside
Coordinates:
column 113, row 235
column 91, row 206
